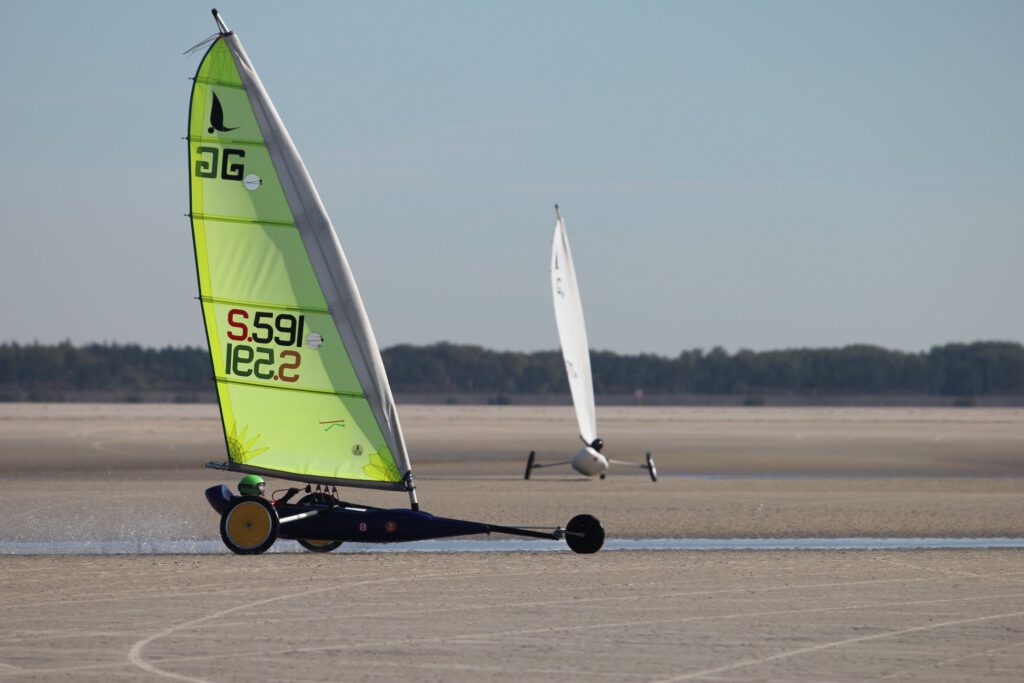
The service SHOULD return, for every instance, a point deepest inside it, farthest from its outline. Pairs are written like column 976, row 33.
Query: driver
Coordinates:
column 252, row 485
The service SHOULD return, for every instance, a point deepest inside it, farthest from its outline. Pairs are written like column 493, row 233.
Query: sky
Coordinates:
column 757, row 175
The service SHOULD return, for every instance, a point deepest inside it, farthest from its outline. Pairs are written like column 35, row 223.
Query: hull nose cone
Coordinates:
column 589, row 462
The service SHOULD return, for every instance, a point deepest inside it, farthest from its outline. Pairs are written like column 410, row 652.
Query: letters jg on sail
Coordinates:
column 302, row 389
column 572, row 332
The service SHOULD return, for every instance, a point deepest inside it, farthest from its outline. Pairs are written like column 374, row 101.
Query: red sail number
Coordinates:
column 233, row 314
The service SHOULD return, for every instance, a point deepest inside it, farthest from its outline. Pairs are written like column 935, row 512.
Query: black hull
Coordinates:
column 356, row 523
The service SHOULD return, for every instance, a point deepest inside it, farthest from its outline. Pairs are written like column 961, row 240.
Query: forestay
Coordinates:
column 571, row 330
column 302, row 389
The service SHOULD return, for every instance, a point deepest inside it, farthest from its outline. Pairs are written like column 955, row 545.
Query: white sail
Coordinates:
column 572, row 331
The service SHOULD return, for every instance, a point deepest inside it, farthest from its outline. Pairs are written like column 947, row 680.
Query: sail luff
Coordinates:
column 326, row 255
column 572, row 331
column 202, row 275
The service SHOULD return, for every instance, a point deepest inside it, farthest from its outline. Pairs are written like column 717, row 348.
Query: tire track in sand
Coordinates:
column 833, row 644
column 135, row 653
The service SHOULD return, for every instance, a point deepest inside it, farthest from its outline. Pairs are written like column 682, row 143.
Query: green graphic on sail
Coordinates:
column 302, row 389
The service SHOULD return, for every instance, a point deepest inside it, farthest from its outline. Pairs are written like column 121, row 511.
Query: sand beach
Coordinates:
column 80, row 474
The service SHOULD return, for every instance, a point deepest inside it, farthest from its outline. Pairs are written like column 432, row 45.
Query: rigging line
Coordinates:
column 204, row 42
column 345, row 394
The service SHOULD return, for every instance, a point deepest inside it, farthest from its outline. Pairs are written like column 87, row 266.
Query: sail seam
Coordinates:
column 240, row 219
column 261, row 304
column 346, row 394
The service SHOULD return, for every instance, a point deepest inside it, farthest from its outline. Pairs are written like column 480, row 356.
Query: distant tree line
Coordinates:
column 979, row 368
column 34, row 372
column 61, row 372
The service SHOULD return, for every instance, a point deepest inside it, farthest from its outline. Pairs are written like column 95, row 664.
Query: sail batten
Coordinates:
column 275, row 387
column 231, row 141
column 281, row 307
column 263, row 304
column 242, row 219
column 220, row 84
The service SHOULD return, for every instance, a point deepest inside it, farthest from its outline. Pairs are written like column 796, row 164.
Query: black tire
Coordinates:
column 316, row 545
column 651, row 469
column 249, row 525
column 584, row 534
column 529, row 464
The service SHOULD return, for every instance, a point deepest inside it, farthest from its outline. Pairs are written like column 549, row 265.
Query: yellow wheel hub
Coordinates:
column 248, row 525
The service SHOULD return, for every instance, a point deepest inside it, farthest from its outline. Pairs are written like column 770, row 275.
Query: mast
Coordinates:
column 220, row 22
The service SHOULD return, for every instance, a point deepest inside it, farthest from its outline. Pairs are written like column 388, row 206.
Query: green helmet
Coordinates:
column 252, row 485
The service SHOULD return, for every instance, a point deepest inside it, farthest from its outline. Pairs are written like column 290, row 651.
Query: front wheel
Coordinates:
column 584, row 534
column 249, row 525
column 318, row 545
column 651, row 469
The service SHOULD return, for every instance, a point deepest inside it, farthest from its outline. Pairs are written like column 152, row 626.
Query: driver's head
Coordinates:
column 597, row 444
column 252, row 485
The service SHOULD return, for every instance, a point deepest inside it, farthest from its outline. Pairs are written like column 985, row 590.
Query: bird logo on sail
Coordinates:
column 217, row 117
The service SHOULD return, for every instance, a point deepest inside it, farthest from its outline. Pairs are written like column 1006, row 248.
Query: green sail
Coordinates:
column 301, row 385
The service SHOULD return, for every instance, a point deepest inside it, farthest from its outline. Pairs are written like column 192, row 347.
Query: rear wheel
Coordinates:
column 529, row 464
column 314, row 545
column 249, row 525
column 584, row 534
column 318, row 546
column 651, row 469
